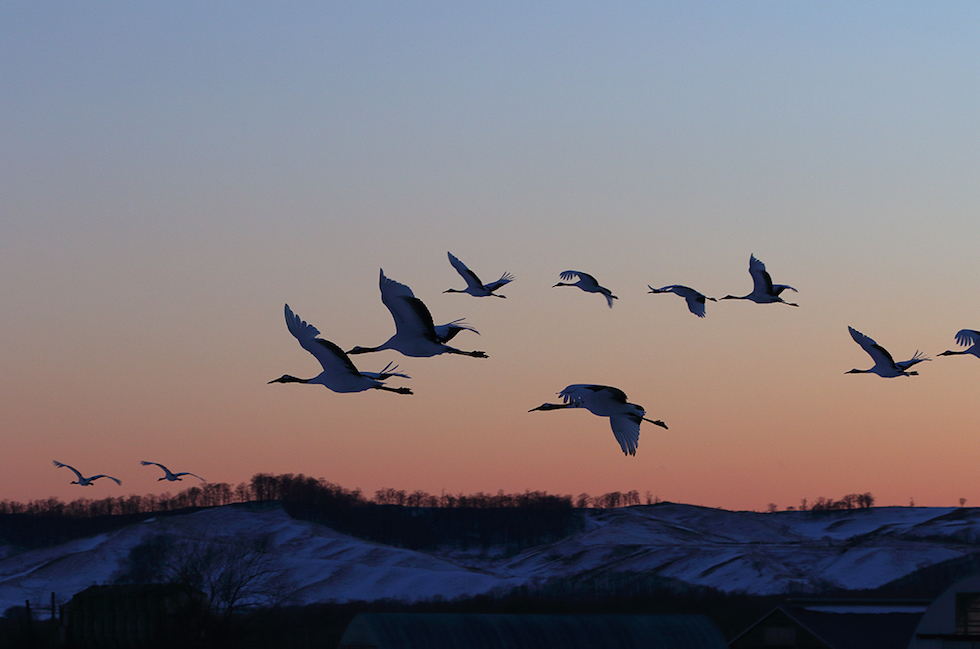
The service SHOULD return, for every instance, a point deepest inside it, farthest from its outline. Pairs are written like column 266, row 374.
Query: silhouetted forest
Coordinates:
column 416, row 520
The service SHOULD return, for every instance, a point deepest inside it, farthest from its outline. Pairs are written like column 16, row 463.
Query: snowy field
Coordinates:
column 731, row 551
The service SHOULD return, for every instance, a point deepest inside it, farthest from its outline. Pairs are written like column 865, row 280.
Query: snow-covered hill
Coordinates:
column 748, row 552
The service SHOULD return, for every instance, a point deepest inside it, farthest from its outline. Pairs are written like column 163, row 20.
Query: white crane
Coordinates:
column 474, row 286
column 170, row 475
column 966, row 337
column 605, row 401
column 763, row 290
column 885, row 366
column 587, row 283
column 85, row 482
column 339, row 373
column 415, row 334
column 695, row 300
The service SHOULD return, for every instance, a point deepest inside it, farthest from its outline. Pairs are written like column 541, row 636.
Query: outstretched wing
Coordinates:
column 966, row 337
column 761, row 282
column 506, row 278
column 389, row 370
column 332, row 358
column 102, row 475
column 626, row 428
column 145, row 463
column 694, row 299
column 190, row 474
column 572, row 274
column 411, row 316
column 695, row 303
column 472, row 280
column 579, row 393
column 446, row 332
column 918, row 357
column 59, row 465
column 878, row 353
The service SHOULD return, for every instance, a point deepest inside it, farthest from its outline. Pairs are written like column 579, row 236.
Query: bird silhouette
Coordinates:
column 695, row 300
column 885, row 366
column 415, row 334
column 966, row 337
column 605, row 401
column 339, row 373
column 85, row 482
column 763, row 290
column 168, row 474
column 474, row 286
column 587, row 283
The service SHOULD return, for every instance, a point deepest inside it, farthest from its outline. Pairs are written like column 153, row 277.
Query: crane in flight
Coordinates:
column 966, row 337
column 339, row 373
column 84, row 482
column 605, row 401
column 415, row 333
column 885, row 366
column 695, row 300
column 168, row 475
column 474, row 286
column 587, row 283
column 763, row 290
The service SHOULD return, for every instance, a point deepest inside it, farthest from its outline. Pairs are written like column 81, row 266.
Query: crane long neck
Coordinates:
column 365, row 350
column 286, row 378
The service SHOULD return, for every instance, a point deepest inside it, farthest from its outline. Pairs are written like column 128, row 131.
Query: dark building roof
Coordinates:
column 829, row 630
column 476, row 631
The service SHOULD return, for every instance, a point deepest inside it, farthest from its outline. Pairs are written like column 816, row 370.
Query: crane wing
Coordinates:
column 332, row 358
column 761, row 282
column 190, row 474
column 572, row 274
column 626, row 428
column 102, row 475
column 471, row 279
column 966, row 337
column 506, row 278
column 412, row 318
column 581, row 392
column 918, row 357
column 878, row 353
column 59, row 465
column 446, row 332
column 389, row 370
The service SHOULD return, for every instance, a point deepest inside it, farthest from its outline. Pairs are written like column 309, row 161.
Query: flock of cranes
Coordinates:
column 87, row 482
column 417, row 335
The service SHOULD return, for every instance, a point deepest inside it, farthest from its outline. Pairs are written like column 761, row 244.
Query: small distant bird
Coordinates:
column 339, row 373
column 763, row 290
column 605, row 401
column 85, row 482
column 963, row 338
column 695, row 300
column 415, row 334
column 885, row 366
column 170, row 476
column 587, row 283
column 474, row 286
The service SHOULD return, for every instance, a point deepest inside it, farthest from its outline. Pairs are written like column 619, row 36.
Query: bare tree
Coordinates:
column 235, row 574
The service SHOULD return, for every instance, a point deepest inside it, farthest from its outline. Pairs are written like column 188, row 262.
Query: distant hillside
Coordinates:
column 444, row 554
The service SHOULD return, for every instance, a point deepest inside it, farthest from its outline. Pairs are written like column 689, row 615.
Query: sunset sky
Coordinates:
column 172, row 173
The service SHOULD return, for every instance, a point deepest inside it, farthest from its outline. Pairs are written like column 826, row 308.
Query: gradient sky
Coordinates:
column 172, row 173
